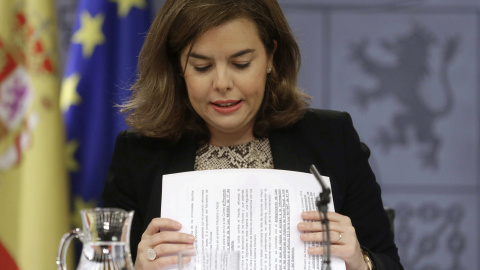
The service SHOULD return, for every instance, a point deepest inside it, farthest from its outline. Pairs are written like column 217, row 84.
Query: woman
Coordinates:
column 220, row 76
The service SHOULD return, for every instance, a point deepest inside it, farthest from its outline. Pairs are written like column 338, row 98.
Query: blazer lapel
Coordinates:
column 284, row 154
column 291, row 151
column 183, row 156
column 182, row 159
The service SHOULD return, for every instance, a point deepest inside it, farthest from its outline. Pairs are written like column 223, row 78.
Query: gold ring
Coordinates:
column 339, row 238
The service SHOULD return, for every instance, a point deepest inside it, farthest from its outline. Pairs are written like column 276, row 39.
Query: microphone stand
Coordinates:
column 322, row 206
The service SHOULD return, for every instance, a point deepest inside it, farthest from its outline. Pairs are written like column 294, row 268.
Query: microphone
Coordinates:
column 322, row 206
column 324, row 198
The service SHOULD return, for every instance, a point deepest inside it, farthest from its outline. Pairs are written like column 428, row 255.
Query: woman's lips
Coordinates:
column 226, row 106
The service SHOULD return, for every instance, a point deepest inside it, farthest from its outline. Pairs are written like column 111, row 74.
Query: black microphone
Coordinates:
column 322, row 206
column 324, row 198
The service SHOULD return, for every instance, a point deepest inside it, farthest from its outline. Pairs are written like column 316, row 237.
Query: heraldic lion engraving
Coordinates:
column 403, row 81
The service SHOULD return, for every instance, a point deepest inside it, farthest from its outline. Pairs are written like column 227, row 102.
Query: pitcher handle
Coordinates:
column 63, row 247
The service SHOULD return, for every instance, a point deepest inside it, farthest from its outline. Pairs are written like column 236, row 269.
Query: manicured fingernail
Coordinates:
column 191, row 238
column 178, row 225
column 190, row 247
column 301, row 226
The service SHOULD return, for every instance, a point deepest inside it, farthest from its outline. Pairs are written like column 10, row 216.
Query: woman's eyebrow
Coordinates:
column 242, row 52
column 199, row 56
column 237, row 54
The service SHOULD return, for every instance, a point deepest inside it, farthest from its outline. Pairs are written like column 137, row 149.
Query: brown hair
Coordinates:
column 159, row 105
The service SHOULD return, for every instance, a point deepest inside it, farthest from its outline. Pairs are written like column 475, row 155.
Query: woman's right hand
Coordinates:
column 162, row 235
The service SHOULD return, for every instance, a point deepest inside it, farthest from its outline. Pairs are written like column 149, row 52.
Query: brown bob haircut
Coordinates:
column 159, row 105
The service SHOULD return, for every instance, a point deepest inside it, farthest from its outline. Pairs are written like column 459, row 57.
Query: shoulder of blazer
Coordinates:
column 143, row 153
column 317, row 124
column 324, row 117
column 315, row 139
column 140, row 143
column 140, row 140
column 316, row 135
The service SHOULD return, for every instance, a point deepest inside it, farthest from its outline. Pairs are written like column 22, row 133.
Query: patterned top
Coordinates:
column 254, row 154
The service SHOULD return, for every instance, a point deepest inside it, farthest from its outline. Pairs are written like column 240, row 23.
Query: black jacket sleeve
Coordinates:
column 363, row 202
column 329, row 140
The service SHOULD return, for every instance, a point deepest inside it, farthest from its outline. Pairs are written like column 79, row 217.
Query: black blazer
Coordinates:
column 324, row 138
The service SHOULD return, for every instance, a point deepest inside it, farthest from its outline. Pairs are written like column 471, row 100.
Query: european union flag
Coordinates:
column 101, row 66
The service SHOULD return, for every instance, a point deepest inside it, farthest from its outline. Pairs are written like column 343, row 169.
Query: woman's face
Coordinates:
column 225, row 77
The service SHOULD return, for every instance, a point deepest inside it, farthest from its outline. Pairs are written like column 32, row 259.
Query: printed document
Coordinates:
column 255, row 211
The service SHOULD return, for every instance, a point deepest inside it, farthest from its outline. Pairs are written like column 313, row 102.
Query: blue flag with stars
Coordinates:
column 101, row 66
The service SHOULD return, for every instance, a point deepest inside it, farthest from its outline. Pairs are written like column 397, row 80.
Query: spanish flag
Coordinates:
column 34, row 209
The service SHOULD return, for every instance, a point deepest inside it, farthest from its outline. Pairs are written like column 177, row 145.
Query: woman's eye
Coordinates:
column 242, row 66
column 202, row 68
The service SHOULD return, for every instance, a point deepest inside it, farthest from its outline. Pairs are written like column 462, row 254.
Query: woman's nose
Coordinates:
column 222, row 81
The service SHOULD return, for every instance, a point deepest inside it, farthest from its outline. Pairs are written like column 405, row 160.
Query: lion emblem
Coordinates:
column 403, row 81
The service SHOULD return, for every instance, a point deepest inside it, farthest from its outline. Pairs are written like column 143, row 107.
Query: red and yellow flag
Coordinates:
column 34, row 209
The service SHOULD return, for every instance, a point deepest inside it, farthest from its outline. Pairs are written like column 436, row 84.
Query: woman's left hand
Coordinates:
column 342, row 236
